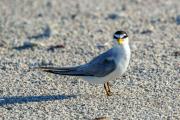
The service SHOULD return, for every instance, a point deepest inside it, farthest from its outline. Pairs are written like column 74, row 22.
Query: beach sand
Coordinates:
column 68, row 33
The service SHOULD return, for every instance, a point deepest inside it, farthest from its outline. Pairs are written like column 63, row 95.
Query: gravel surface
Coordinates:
column 65, row 33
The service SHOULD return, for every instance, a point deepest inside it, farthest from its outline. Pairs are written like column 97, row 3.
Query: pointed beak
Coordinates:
column 120, row 41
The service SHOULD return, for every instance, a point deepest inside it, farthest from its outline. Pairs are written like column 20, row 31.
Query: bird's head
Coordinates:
column 121, row 38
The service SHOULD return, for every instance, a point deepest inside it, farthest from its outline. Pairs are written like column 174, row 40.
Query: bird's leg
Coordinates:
column 107, row 89
column 108, row 85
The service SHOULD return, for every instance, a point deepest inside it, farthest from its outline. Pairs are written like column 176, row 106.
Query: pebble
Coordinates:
column 112, row 16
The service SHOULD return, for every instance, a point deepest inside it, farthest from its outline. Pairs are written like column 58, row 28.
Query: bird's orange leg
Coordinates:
column 107, row 89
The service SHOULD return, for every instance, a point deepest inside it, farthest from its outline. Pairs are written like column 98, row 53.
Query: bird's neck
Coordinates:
column 125, row 49
column 122, row 47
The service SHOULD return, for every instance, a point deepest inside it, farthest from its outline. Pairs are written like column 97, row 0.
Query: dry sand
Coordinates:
column 71, row 32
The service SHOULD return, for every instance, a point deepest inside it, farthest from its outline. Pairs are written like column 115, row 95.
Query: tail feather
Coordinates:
column 57, row 68
column 71, row 71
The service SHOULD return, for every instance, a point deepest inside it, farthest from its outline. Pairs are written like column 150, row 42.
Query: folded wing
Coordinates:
column 98, row 67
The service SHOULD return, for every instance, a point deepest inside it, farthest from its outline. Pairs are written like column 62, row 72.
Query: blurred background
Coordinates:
column 72, row 32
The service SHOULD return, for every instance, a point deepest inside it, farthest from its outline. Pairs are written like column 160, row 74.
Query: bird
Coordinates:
column 104, row 67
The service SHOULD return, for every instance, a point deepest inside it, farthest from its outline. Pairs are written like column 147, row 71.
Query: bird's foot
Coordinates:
column 109, row 93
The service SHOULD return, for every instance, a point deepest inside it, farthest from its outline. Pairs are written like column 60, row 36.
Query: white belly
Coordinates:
column 101, row 80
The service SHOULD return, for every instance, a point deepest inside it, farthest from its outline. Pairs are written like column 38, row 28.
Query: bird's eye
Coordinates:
column 115, row 37
column 124, row 36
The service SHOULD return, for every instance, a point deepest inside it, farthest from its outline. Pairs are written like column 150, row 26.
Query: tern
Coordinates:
column 103, row 68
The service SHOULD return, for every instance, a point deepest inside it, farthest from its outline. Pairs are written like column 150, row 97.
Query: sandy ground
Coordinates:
column 65, row 33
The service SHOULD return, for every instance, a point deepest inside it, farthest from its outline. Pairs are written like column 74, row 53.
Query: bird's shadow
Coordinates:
column 27, row 99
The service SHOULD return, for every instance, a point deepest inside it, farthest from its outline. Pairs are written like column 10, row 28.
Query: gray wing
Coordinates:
column 100, row 66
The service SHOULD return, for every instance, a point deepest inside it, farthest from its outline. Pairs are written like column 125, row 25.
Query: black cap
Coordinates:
column 119, row 33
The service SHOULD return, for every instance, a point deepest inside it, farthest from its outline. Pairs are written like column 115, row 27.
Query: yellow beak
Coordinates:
column 120, row 41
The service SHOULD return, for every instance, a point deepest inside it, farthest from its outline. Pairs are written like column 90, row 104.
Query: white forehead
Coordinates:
column 119, row 35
